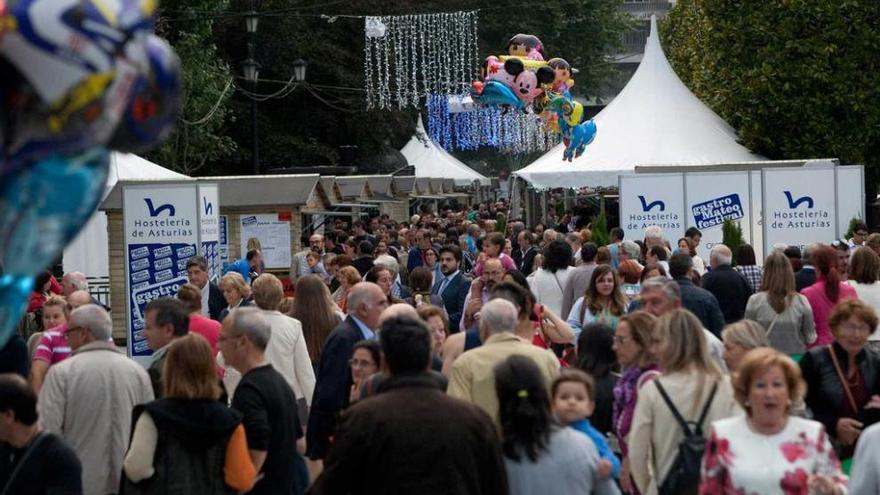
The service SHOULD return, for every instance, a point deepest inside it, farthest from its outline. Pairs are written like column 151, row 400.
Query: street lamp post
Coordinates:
column 252, row 73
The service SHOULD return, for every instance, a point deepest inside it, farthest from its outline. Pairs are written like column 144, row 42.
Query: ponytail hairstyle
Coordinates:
column 825, row 261
column 524, row 408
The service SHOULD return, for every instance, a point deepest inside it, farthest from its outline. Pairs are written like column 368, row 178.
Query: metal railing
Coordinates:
column 99, row 288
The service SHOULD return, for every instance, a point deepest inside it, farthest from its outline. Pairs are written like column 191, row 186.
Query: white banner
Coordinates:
column 712, row 198
column 799, row 206
column 209, row 228
column 160, row 234
column 274, row 237
column 652, row 199
column 850, row 196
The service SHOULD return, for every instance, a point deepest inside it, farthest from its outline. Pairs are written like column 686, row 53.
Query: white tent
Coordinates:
column 88, row 253
column 430, row 160
column 655, row 120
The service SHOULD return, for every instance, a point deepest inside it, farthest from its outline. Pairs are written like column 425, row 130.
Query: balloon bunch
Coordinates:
column 79, row 78
column 524, row 81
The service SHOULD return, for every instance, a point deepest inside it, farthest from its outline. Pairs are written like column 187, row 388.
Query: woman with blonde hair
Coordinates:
column 348, row 276
column 740, row 338
column 188, row 442
column 785, row 315
column 236, row 292
column 316, row 311
column 768, row 450
column 691, row 386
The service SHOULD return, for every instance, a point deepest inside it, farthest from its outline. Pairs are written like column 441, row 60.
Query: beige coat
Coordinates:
column 654, row 437
column 473, row 375
column 88, row 399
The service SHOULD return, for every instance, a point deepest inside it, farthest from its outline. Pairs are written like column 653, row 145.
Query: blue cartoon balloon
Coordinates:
column 576, row 135
column 79, row 77
column 496, row 93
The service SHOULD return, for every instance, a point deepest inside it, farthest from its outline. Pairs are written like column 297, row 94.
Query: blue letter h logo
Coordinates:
column 650, row 206
column 154, row 212
column 792, row 203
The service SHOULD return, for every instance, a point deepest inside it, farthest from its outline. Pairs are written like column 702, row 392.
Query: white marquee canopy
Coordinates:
column 430, row 160
column 655, row 120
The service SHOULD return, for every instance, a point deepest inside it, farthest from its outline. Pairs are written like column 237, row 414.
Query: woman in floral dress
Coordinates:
column 768, row 451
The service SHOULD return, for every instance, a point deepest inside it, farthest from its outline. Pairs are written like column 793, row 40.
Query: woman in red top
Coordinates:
column 191, row 297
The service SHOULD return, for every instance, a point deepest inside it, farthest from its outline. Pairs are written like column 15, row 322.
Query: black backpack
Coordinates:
column 684, row 476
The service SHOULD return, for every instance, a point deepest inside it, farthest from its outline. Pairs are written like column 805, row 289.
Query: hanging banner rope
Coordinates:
column 407, row 57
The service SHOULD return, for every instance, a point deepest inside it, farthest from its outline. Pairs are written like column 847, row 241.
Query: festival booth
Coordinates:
column 424, row 195
column 430, row 160
column 387, row 198
column 88, row 252
column 154, row 226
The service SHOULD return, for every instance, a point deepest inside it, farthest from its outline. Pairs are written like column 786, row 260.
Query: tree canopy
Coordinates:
column 797, row 78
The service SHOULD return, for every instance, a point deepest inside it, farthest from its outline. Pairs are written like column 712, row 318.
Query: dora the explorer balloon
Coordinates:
column 563, row 82
column 527, row 46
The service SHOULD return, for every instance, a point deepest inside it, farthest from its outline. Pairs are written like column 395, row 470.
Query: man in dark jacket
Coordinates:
column 729, row 287
column 333, row 386
column 698, row 301
column 524, row 256
column 165, row 320
column 454, row 286
column 213, row 302
column 806, row 276
column 384, row 443
column 364, row 262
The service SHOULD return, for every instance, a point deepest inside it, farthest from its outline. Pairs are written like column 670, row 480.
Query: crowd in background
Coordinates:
column 463, row 352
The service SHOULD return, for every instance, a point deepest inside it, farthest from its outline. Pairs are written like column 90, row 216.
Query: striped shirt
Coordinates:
column 53, row 346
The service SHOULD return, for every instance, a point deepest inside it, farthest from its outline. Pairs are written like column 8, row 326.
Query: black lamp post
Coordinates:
column 252, row 73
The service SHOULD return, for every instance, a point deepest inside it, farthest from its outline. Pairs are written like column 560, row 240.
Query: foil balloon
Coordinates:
column 576, row 135
column 79, row 77
column 156, row 99
column 497, row 93
column 42, row 207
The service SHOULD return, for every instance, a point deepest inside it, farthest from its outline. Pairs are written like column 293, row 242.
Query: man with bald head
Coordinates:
column 301, row 267
column 73, row 281
column 366, row 302
column 727, row 285
column 493, row 274
column 473, row 377
column 76, row 282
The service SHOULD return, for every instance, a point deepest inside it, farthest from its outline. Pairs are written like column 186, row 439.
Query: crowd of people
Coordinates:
column 463, row 353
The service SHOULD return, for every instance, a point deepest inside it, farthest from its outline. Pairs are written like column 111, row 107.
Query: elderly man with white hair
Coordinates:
column 473, row 375
column 654, row 237
column 88, row 398
column 727, row 285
